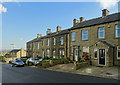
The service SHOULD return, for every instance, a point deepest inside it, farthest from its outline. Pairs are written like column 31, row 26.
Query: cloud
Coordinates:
column 2, row 8
column 107, row 3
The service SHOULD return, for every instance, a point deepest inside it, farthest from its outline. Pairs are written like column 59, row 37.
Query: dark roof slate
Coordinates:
column 50, row 35
column 15, row 50
column 97, row 21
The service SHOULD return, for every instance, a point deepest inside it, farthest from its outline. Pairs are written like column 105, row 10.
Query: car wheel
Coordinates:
column 12, row 65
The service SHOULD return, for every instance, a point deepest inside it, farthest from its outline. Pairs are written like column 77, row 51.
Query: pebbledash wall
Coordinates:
column 98, row 37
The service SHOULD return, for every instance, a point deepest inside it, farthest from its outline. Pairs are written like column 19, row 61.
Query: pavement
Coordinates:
column 105, row 72
column 34, row 75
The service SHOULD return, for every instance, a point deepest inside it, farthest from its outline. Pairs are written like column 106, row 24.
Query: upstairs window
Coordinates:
column 42, row 42
column 101, row 32
column 38, row 46
column 54, row 41
column 73, row 36
column 61, row 41
column 85, row 35
column 118, row 52
column 117, row 30
column 48, row 42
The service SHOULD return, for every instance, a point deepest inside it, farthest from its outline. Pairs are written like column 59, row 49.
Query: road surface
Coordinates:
column 34, row 75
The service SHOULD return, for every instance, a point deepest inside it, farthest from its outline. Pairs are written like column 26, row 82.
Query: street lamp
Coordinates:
column 13, row 49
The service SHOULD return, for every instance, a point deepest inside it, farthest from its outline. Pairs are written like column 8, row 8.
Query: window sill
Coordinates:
column 117, row 37
column 73, row 40
column 85, row 40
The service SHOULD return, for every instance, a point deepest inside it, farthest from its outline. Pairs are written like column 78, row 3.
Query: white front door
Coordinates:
column 76, row 54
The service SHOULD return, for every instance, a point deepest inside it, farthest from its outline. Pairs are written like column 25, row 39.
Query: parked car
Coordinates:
column 33, row 61
column 17, row 63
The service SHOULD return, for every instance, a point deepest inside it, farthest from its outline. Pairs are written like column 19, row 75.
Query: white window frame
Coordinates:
column 116, row 30
column 61, row 41
column 38, row 45
column 73, row 36
column 54, row 41
column 117, row 52
column 101, row 31
column 84, row 34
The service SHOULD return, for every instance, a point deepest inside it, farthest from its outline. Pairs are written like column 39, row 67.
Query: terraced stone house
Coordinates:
column 99, row 38
column 52, row 45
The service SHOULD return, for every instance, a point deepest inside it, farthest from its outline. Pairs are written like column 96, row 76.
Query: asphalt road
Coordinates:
column 34, row 75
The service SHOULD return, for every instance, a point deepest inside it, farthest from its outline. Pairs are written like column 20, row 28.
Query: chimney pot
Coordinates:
column 48, row 31
column 105, row 12
column 39, row 35
column 58, row 28
column 75, row 22
column 81, row 19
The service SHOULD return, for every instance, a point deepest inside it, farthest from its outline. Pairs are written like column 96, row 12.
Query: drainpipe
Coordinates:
column 113, row 56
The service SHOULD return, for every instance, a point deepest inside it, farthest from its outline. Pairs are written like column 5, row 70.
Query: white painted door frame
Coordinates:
column 99, row 56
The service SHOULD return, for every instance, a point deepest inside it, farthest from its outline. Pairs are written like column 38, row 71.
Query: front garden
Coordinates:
column 52, row 62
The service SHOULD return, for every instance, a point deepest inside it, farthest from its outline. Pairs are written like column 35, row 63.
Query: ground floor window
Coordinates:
column 48, row 53
column 54, row 53
column 118, row 52
column 43, row 53
column 95, row 53
column 61, row 52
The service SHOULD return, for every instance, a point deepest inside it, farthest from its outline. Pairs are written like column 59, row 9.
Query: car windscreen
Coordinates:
column 18, row 61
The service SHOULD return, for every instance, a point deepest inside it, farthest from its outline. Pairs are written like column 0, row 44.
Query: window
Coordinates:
column 101, row 32
column 38, row 45
column 54, row 53
column 48, row 42
column 73, row 36
column 42, row 42
column 95, row 53
column 48, row 53
column 61, row 52
column 118, row 52
column 85, row 35
column 61, row 41
column 54, row 41
column 117, row 30
column 43, row 53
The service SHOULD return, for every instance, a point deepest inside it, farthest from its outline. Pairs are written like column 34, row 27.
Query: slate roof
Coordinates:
column 88, row 23
column 50, row 35
column 97, row 21
column 15, row 50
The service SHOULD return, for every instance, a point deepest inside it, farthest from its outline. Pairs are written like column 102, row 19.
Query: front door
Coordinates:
column 76, row 54
column 101, row 56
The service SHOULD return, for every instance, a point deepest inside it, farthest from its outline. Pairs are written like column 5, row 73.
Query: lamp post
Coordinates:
column 12, row 46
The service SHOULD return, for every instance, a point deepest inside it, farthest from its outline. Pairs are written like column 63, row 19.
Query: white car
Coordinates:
column 33, row 61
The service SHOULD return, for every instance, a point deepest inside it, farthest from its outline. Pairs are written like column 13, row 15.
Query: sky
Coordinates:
column 22, row 21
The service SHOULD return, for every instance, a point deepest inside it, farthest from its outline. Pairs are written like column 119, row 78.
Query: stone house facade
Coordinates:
column 14, row 54
column 52, row 45
column 97, row 38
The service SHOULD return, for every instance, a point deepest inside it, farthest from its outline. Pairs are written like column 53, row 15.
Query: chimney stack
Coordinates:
column 105, row 12
column 48, row 31
column 58, row 28
column 75, row 22
column 81, row 19
column 39, row 35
